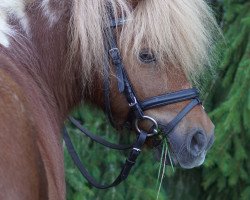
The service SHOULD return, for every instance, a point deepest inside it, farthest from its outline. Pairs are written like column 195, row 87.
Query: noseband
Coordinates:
column 137, row 115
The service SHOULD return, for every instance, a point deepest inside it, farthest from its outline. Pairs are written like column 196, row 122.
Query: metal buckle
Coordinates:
column 155, row 131
column 136, row 149
column 119, row 22
column 114, row 53
column 133, row 103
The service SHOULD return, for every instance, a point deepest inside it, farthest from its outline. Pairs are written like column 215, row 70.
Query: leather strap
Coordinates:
column 106, row 86
column 129, row 163
column 98, row 139
column 124, row 85
column 172, row 124
column 113, row 52
column 169, row 98
column 117, row 61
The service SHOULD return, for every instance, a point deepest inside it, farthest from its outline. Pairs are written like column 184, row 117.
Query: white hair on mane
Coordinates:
column 88, row 24
column 16, row 9
column 179, row 32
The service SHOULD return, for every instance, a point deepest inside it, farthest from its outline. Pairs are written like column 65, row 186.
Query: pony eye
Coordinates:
column 146, row 56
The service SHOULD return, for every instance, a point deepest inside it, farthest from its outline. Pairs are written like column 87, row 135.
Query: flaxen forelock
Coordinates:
column 179, row 32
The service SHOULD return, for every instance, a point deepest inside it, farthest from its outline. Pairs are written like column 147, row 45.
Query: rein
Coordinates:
column 137, row 109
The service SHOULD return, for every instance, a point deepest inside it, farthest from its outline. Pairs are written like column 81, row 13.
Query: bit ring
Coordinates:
column 155, row 131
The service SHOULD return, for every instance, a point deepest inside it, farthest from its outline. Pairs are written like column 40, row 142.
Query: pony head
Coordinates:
column 165, row 46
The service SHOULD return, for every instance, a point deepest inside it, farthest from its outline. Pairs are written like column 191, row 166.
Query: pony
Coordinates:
column 51, row 58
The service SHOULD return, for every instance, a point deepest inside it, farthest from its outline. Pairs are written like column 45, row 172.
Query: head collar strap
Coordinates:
column 123, row 83
column 169, row 98
column 166, row 129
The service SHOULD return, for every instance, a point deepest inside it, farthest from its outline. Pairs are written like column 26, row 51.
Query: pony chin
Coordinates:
column 196, row 163
column 182, row 163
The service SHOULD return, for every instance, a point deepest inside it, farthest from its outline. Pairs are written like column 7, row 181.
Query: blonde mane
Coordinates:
column 179, row 32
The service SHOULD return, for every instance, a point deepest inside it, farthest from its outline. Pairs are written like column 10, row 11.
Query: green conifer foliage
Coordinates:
column 227, row 171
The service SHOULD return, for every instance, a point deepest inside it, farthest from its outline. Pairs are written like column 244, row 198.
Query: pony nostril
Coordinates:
column 197, row 143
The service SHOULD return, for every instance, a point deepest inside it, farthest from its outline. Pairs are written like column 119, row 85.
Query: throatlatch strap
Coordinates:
column 129, row 163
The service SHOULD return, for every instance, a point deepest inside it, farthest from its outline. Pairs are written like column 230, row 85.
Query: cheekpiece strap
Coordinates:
column 117, row 61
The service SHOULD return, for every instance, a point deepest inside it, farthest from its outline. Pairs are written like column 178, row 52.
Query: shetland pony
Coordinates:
column 51, row 57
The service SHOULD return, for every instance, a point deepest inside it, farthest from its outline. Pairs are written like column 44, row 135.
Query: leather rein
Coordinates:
column 137, row 115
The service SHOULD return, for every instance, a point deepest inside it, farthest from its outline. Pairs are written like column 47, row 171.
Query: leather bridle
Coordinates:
column 136, row 115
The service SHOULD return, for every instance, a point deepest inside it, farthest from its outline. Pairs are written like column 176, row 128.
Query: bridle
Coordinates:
column 136, row 115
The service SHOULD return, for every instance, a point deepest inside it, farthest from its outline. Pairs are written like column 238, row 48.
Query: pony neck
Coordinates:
column 39, row 63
